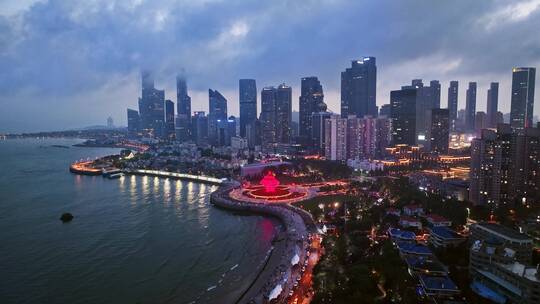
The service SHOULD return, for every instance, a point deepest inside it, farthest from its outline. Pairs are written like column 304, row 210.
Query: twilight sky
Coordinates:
column 69, row 64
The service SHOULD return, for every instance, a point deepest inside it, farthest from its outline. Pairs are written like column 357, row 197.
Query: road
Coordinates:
column 303, row 293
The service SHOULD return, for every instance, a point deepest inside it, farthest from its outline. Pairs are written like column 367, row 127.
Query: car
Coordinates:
column 295, row 284
column 291, row 293
column 303, row 268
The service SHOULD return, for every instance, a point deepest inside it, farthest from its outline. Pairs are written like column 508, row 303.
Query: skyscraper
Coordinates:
column 492, row 104
column 200, row 127
column 169, row 119
column 283, row 114
column 183, row 103
column 435, row 86
column 310, row 97
column 151, row 108
column 403, row 115
column 318, row 130
column 358, row 88
column 217, row 105
column 248, row 103
column 133, row 123
column 385, row 110
column 522, row 102
column 470, row 107
column 439, row 131
column 453, row 103
column 367, row 137
column 268, row 116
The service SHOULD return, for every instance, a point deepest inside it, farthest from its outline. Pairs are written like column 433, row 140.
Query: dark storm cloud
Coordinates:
column 72, row 63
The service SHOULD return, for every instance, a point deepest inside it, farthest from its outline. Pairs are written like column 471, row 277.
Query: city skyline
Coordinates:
column 96, row 80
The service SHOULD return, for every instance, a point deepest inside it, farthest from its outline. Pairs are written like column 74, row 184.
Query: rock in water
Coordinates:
column 66, row 217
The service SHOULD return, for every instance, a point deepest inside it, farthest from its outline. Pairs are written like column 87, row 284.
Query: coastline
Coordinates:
column 289, row 244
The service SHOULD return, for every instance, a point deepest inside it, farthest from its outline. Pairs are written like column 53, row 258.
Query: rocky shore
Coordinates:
column 282, row 267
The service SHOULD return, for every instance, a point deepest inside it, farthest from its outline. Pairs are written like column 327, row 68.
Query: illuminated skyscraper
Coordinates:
column 248, row 103
column 133, row 122
column 522, row 102
column 359, row 88
column 151, row 108
column 217, row 105
column 310, row 97
column 183, row 103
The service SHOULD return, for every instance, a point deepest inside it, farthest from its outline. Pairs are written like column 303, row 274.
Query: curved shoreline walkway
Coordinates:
column 282, row 268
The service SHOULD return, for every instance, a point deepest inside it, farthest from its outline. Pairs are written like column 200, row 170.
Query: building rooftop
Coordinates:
column 402, row 234
column 440, row 283
column 502, row 231
column 530, row 273
column 410, row 248
column 445, row 233
column 425, row 264
column 435, row 218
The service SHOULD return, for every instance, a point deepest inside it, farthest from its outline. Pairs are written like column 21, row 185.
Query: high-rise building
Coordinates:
column 283, row 114
column 358, row 88
column 200, row 127
column 439, row 130
column 318, row 130
column 385, row 110
column 311, row 97
column 480, row 121
column 151, row 108
column 133, row 123
column 335, row 138
column 183, row 104
column 492, row 104
column 217, row 105
column 403, row 115
column 453, row 103
column 367, row 137
column 248, row 103
column 276, row 115
column 522, row 102
column 504, row 166
column 169, row 119
column 470, row 107
column 110, row 122
column 268, row 116
column 435, row 86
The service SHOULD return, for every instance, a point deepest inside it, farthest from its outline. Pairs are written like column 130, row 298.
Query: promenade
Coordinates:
column 283, row 267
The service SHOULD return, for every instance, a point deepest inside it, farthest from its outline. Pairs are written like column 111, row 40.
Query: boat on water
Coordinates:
column 115, row 175
column 106, row 172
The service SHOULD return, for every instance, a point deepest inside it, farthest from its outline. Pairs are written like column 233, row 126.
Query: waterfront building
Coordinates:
column 311, row 96
column 470, row 107
column 248, row 103
column 492, row 105
column 439, row 130
column 453, row 103
column 358, row 88
column 169, row 119
column 133, row 123
column 183, row 104
column 151, row 108
column 335, row 138
column 200, row 128
column 522, row 101
column 217, row 113
column 403, row 115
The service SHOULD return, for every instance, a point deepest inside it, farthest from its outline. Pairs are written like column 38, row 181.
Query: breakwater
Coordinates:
column 282, row 267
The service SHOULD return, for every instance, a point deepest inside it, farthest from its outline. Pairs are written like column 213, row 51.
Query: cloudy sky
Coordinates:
column 68, row 64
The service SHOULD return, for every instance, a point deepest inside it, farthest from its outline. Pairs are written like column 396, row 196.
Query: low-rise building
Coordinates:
column 408, row 221
column 413, row 210
column 442, row 237
column 436, row 220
